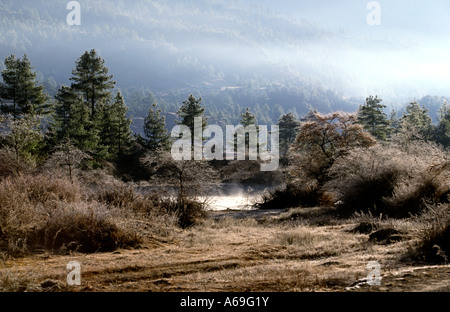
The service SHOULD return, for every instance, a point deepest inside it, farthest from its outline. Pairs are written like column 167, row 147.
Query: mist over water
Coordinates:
column 229, row 202
column 234, row 197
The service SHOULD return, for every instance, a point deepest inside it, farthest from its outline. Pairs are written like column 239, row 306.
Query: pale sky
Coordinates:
column 410, row 47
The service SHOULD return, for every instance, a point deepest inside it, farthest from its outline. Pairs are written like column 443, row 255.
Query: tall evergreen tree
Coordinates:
column 289, row 126
column 156, row 135
column 103, row 125
column 66, row 100
column 372, row 117
column 120, row 124
column 190, row 109
column 248, row 118
column 442, row 131
column 113, row 127
column 90, row 78
column 416, row 123
column 72, row 121
column 20, row 93
column 394, row 123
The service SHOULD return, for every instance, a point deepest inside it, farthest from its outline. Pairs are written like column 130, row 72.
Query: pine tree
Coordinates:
column 66, row 100
column 289, row 127
column 10, row 87
column 120, row 126
column 190, row 109
column 442, row 131
column 416, row 123
column 72, row 121
column 103, row 125
column 20, row 93
column 156, row 136
column 394, row 123
column 90, row 78
column 248, row 118
column 113, row 127
column 373, row 119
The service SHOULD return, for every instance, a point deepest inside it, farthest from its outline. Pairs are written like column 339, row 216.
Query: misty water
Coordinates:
column 226, row 196
column 234, row 197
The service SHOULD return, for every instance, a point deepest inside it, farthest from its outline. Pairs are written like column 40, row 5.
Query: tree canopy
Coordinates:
column 20, row 93
column 90, row 78
column 373, row 118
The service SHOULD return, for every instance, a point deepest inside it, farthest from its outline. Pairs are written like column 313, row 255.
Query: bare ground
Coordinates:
column 265, row 251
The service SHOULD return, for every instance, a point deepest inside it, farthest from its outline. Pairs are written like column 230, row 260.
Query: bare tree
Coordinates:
column 66, row 155
column 190, row 178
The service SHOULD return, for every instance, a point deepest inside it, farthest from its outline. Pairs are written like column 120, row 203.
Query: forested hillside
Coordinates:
column 232, row 54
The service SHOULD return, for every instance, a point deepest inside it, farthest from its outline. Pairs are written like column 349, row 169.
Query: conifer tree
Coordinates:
column 90, row 78
column 66, row 99
column 373, row 119
column 416, row 123
column 289, row 127
column 190, row 109
column 113, row 127
column 103, row 125
column 156, row 136
column 120, row 126
column 20, row 93
column 72, row 121
column 394, row 123
column 442, row 131
column 248, row 118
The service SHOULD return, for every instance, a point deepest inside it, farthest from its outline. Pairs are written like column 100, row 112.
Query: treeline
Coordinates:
column 84, row 124
column 268, row 101
column 366, row 161
column 85, row 115
column 89, row 117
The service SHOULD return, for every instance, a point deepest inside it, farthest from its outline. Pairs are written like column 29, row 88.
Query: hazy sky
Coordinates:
column 410, row 47
column 330, row 41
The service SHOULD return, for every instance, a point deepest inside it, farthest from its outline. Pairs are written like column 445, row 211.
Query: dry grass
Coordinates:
column 54, row 213
column 225, row 255
column 47, row 222
column 432, row 229
column 390, row 180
